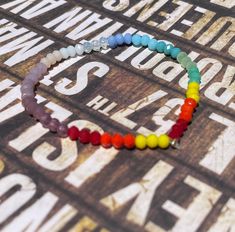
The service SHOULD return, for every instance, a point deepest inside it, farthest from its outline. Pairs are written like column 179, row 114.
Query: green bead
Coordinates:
column 195, row 79
column 193, row 69
column 191, row 65
column 185, row 61
column 181, row 56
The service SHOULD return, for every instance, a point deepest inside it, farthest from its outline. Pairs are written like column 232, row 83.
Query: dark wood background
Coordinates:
column 124, row 84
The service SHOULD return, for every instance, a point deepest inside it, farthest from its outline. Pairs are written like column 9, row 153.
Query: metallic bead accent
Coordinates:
column 175, row 143
column 96, row 45
column 88, row 47
column 104, row 42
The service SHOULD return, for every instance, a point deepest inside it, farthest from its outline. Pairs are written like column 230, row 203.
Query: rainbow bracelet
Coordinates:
column 129, row 141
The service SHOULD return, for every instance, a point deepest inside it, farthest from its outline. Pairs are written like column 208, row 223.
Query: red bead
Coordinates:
column 174, row 134
column 84, row 136
column 95, row 138
column 117, row 141
column 191, row 102
column 73, row 133
column 187, row 116
column 187, row 108
column 129, row 141
column 183, row 123
column 106, row 140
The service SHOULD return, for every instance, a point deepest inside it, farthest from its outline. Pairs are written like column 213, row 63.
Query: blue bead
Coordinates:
column 119, row 38
column 64, row 53
column 167, row 49
column 152, row 44
column 71, row 50
column 127, row 38
column 175, row 52
column 161, row 46
column 136, row 40
column 112, row 41
column 145, row 40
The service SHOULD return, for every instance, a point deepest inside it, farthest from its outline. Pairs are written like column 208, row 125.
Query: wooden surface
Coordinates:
column 49, row 184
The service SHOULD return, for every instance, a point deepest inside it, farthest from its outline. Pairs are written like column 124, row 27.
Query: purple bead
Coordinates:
column 62, row 131
column 42, row 67
column 54, row 124
column 45, row 119
column 30, row 78
column 27, row 100
column 27, row 94
column 38, row 112
column 30, row 107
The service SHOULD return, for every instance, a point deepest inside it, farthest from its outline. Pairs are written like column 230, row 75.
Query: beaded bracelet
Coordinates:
column 107, row 140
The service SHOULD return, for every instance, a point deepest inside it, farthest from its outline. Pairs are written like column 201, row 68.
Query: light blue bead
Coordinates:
column 119, row 38
column 127, row 38
column 175, row 52
column 71, row 50
column 64, row 53
column 145, row 40
column 167, row 49
column 160, row 46
column 152, row 44
column 136, row 40
column 112, row 41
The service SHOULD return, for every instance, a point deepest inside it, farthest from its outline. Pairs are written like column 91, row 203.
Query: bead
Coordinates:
column 84, row 136
column 196, row 97
column 96, row 45
column 174, row 52
column 183, row 123
column 53, row 124
column 71, row 50
column 64, row 53
column 185, row 61
column 112, row 41
column 45, row 118
column 167, row 49
column 187, row 116
column 152, row 44
column 195, row 79
column 87, row 47
column 106, row 140
column 145, row 40
column 181, row 56
column 58, row 56
column 175, row 134
column 117, row 141
column 152, row 141
column 136, row 40
column 119, row 38
column 163, row 141
column 51, row 58
column 194, row 75
column 140, row 142
column 79, row 49
column 187, row 108
column 193, row 69
column 45, row 61
column 129, row 141
column 127, row 38
column 160, row 46
column 104, row 42
column 191, row 91
column 193, row 85
column 62, row 131
column 190, row 65
column 95, row 138
column 73, row 133
column 191, row 102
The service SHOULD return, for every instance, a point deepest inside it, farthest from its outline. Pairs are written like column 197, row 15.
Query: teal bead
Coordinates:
column 71, row 50
column 136, row 40
column 195, row 79
column 160, row 46
column 193, row 69
column 167, row 49
column 145, row 40
column 194, row 74
column 191, row 65
column 64, row 53
column 181, row 56
column 174, row 52
column 152, row 44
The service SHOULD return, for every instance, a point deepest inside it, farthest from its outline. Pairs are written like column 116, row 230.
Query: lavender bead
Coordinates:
column 54, row 124
column 30, row 107
column 28, row 100
column 62, row 131
column 38, row 112
column 45, row 119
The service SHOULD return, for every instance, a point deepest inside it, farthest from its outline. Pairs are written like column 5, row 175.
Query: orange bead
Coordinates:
column 187, row 108
column 187, row 116
column 191, row 102
column 129, row 141
column 117, row 141
column 106, row 140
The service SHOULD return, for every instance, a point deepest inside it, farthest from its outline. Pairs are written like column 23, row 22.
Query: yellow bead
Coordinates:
column 191, row 91
column 193, row 85
column 140, row 142
column 163, row 141
column 196, row 97
column 152, row 141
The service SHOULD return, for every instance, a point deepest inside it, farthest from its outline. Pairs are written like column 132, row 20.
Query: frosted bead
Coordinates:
column 53, row 124
column 71, row 50
column 96, row 45
column 104, row 42
column 46, row 62
column 64, row 53
column 88, row 47
column 57, row 55
column 79, row 49
column 51, row 58
column 62, row 131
